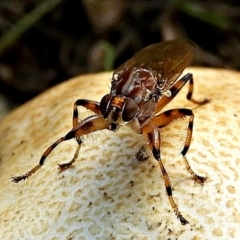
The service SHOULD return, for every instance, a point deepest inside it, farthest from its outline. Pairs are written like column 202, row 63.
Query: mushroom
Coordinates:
column 108, row 193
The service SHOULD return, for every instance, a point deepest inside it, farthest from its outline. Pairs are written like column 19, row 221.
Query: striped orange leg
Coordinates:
column 63, row 166
column 189, row 77
column 175, row 90
column 167, row 117
column 88, row 104
column 153, row 134
column 88, row 125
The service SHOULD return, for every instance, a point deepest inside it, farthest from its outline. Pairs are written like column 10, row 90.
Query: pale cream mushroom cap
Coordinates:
column 108, row 193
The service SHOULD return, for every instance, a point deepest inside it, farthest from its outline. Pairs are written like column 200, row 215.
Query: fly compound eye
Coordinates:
column 129, row 110
column 104, row 105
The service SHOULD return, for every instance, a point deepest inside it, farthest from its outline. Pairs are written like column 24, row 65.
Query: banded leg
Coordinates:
column 88, row 125
column 167, row 117
column 63, row 166
column 88, row 104
column 175, row 90
column 189, row 77
column 153, row 134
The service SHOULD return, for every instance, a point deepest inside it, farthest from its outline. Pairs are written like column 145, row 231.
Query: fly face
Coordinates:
column 118, row 110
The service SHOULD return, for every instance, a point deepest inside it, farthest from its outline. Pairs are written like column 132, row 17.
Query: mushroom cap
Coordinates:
column 108, row 193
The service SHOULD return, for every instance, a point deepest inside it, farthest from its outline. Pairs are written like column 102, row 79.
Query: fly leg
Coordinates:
column 88, row 104
column 88, row 125
column 189, row 77
column 175, row 89
column 142, row 154
column 153, row 134
column 63, row 166
column 167, row 117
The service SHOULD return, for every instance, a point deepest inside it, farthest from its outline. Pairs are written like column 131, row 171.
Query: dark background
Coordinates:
column 44, row 42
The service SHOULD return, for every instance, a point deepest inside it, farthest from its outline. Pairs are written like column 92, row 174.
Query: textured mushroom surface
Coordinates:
column 108, row 193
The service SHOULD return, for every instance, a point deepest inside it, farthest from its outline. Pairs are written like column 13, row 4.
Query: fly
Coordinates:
column 140, row 89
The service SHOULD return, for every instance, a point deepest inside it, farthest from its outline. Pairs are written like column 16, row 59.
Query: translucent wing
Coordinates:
column 168, row 59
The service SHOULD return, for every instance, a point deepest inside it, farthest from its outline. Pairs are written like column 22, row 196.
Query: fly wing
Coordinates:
column 168, row 59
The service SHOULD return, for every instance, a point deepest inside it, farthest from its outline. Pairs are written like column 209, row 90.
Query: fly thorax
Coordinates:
column 138, row 83
column 147, row 110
